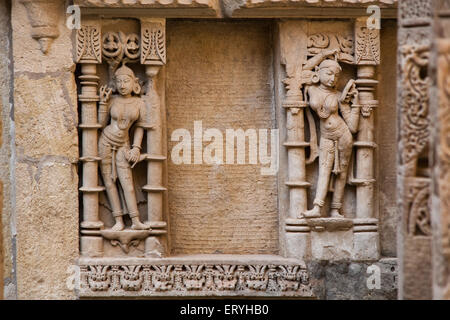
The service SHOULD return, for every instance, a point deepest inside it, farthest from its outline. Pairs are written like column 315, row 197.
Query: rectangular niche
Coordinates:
column 220, row 73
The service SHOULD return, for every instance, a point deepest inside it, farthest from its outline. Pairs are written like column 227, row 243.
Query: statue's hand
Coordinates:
column 133, row 155
column 105, row 93
column 350, row 92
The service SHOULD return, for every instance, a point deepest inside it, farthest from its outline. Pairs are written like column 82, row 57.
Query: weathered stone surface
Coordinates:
column 227, row 208
column 47, row 226
column 387, row 151
column 222, row 72
column 306, row 8
column 46, row 145
column 43, row 99
column 6, row 133
column 158, row 8
column 29, row 57
column 344, row 280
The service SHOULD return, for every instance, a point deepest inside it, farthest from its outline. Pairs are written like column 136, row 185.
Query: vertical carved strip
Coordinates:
column 367, row 58
column 88, row 55
column 293, row 54
column 414, row 41
column 153, row 56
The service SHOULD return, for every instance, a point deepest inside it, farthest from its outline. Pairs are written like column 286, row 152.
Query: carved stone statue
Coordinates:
column 336, row 140
column 117, row 158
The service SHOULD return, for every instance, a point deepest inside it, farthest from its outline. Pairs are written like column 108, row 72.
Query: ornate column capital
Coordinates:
column 153, row 41
column 88, row 44
column 367, row 43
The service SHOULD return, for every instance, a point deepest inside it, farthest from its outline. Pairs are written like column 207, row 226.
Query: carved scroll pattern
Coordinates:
column 415, row 135
column 321, row 41
column 415, row 106
column 88, row 44
column 208, row 279
column 417, row 196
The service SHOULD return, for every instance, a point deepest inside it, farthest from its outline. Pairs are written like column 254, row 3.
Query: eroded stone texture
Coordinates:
column 224, row 208
column 341, row 280
column 387, row 150
column 6, row 241
column 46, row 149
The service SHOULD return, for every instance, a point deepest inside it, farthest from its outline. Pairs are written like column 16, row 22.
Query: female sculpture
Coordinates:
column 336, row 140
column 114, row 146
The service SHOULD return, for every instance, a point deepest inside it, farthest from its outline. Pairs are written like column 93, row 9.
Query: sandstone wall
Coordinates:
column 220, row 73
column 46, row 142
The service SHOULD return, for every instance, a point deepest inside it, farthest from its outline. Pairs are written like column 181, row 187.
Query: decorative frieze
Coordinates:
column 194, row 280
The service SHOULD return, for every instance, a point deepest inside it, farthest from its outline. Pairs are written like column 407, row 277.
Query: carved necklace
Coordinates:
column 324, row 112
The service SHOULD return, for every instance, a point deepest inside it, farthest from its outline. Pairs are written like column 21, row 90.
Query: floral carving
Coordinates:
column 417, row 198
column 344, row 44
column 415, row 114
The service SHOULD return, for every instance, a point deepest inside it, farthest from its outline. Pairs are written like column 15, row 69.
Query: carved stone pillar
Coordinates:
column 153, row 56
column 367, row 58
column 293, row 54
column 89, row 55
column 414, row 41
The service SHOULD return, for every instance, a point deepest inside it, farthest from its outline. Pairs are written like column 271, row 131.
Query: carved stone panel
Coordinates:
column 415, row 40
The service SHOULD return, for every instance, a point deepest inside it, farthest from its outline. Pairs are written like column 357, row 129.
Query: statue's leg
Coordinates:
column 112, row 192
column 125, row 176
column 345, row 145
column 326, row 158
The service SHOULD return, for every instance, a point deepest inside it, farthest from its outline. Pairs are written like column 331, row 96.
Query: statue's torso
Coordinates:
column 326, row 105
column 124, row 112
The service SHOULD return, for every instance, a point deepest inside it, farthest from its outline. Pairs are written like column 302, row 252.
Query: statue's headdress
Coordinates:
column 124, row 71
column 328, row 63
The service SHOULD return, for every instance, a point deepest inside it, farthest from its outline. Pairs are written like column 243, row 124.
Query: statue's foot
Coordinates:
column 313, row 213
column 335, row 214
column 137, row 225
column 119, row 226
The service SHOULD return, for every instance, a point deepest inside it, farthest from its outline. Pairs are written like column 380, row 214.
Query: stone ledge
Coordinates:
column 237, row 8
column 154, row 8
